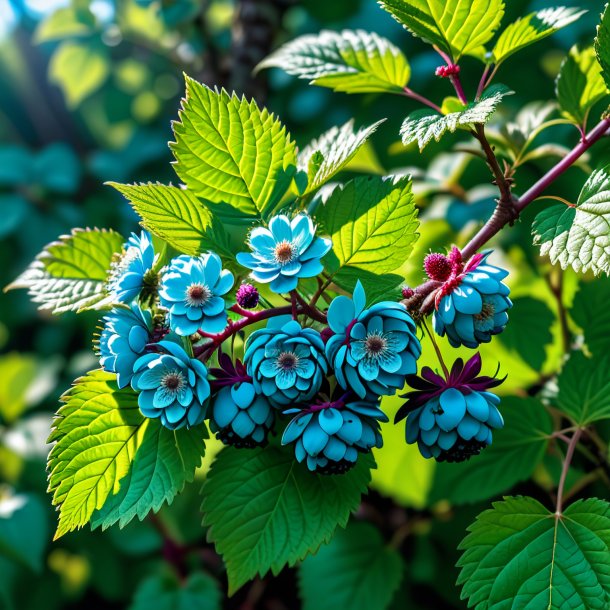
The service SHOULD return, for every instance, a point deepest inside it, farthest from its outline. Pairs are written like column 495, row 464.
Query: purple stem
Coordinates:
column 457, row 85
column 483, row 81
column 422, row 99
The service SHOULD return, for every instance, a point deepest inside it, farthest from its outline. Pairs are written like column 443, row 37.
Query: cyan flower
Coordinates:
column 123, row 340
column 192, row 290
column 451, row 419
column 131, row 273
column 172, row 386
column 286, row 362
column 472, row 304
column 239, row 416
column 372, row 350
column 285, row 252
column 329, row 435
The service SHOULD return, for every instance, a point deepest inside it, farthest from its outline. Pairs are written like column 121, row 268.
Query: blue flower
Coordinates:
column 286, row 362
column 285, row 252
column 240, row 416
column 329, row 436
column 130, row 274
column 192, row 290
column 451, row 419
column 172, row 386
column 472, row 306
column 123, row 340
column 371, row 350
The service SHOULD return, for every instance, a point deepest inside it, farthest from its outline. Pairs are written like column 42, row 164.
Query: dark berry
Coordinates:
column 247, row 296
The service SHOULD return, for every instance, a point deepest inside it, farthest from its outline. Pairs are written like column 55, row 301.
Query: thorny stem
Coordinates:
column 564, row 471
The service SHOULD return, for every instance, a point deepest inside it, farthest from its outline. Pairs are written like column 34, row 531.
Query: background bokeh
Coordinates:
column 88, row 89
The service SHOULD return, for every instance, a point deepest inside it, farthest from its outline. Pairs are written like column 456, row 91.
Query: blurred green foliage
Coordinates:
column 87, row 93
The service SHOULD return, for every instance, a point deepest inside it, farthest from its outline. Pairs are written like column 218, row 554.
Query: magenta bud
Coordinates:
column 438, row 267
column 407, row 292
column 247, row 296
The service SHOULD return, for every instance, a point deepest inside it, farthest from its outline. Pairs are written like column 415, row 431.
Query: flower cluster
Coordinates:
column 451, row 419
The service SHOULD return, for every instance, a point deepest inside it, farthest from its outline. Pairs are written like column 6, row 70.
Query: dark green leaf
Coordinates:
column 591, row 312
column 602, row 44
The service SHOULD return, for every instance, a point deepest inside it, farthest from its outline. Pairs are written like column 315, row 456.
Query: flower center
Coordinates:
column 375, row 345
column 287, row 361
column 198, row 295
column 173, row 381
column 283, row 252
column 487, row 312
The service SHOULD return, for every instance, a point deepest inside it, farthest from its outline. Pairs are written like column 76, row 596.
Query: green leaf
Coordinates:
column 18, row 373
column 356, row 571
column 602, row 44
column 106, row 450
column 591, row 312
column 378, row 286
column 372, row 222
column 79, row 69
column 580, row 84
column 176, row 216
column 424, row 125
column 520, row 555
column 457, row 27
column 532, row 28
column 68, row 22
column 579, row 235
column 349, row 61
column 264, row 510
column 70, row 274
column 165, row 592
column 231, row 153
column 23, row 530
column 584, row 389
column 529, row 331
column 324, row 157
column 512, row 457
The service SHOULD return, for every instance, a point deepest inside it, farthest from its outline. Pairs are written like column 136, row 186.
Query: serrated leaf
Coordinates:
column 324, row 157
column 580, row 84
column 512, row 457
column 422, row 126
column 602, row 45
column 231, row 153
column 264, row 510
column 584, row 389
column 533, row 28
column 457, row 27
column 372, row 222
column 356, row 571
column 529, row 331
column 176, row 216
column 579, row 236
column 70, row 274
column 100, row 436
column 165, row 592
column 79, row 69
column 591, row 312
column 353, row 61
column 520, row 555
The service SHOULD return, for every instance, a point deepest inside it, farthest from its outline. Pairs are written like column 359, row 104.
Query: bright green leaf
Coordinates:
column 378, row 286
column 580, row 84
column 602, row 44
column 350, row 61
column 457, row 27
column 264, row 510
column 68, row 22
column 584, row 389
column 591, row 312
column 79, row 69
column 231, row 153
column 532, row 28
column 520, row 555
column 512, row 457
column 324, row 157
column 422, row 126
column 70, row 274
column 165, row 592
column 23, row 530
column 372, row 222
column 529, row 330
column 579, row 235
column 177, row 216
column 356, row 571
column 17, row 372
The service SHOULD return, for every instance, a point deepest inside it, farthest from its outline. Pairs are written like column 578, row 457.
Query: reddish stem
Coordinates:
column 459, row 90
column 564, row 471
column 420, row 98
